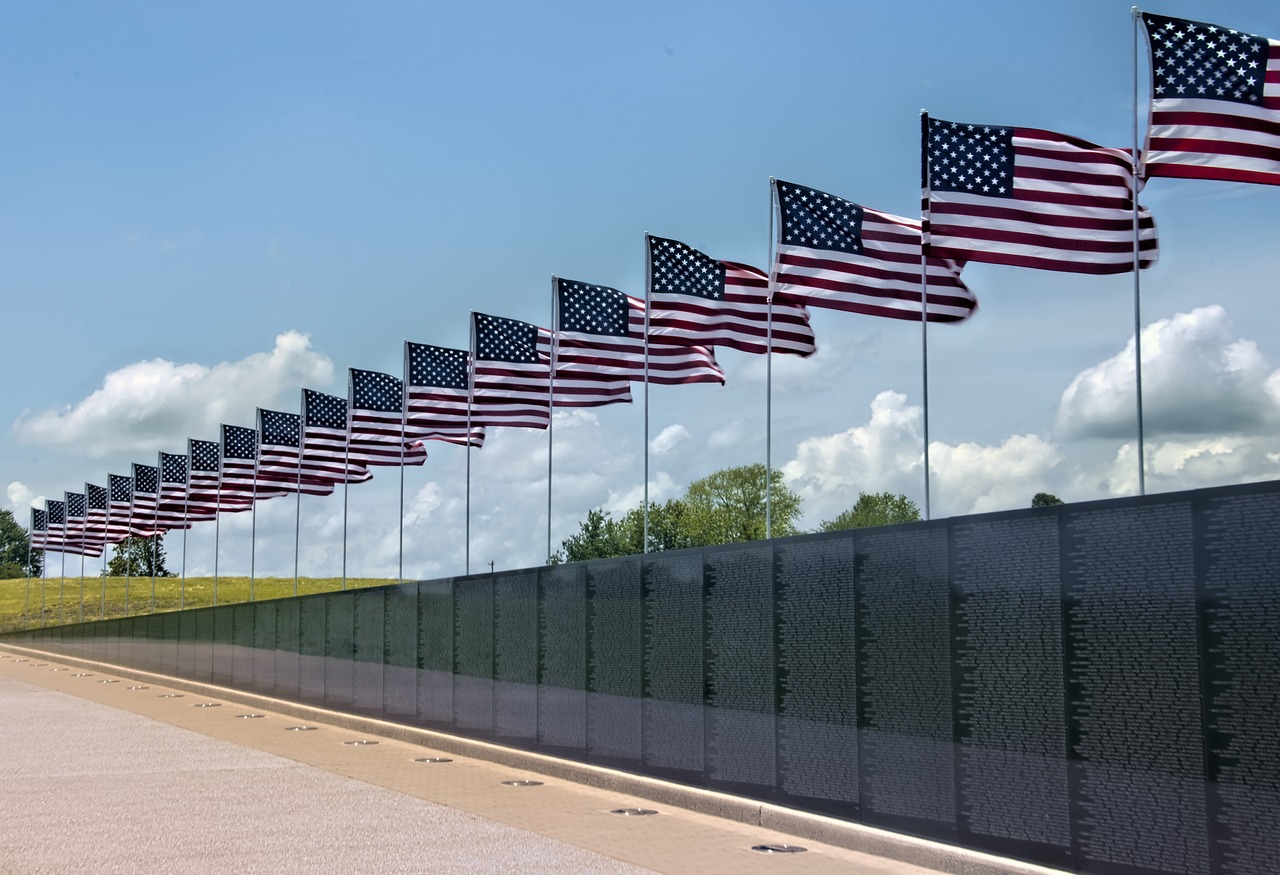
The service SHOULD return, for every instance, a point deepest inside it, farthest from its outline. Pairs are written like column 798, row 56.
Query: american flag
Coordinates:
column 512, row 383
column 171, row 506
column 146, row 497
column 119, row 504
column 324, row 440
column 77, row 538
column 438, row 395
column 1215, row 106
column 279, row 454
column 377, row 421
column 56, row 512
column 39, row 529
column 600, row 333
column 204, row 474
column 75, row 510
column 95, row 519
column 239, row 487
column 836, row 254
column 1031, row 198
column 697, row 299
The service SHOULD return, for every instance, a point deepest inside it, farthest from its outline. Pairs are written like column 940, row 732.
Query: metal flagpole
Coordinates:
column 1137, row 282
column 44, row 575
column 26, row 605
column 155, row 539
column 346, row 486
column 62, row 581
column 768, row 393
column 102, row 612
column 471, row 396
column 400, row 568
column 297, row 506
column 404, row 417
column 253, row 507
column 128, row 546
column 217, row 522
column 346, row 492
column 155, row 555
column 83, row 547
column 648, row 305
column 186, row 524
column 924, row 296
column 551, row 401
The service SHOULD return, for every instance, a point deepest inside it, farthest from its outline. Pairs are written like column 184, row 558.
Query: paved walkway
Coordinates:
column 112, row 771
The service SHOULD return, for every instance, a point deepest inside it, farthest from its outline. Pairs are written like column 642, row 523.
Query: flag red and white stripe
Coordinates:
column 56, row 526
column 119, row 505
column 171, row 505
column 511, row 386
column 239, row 486
column 600, row 334
column 325, row 440
column 377, row 421
column 143, row 521
column 1215, row 106
column 77, row 537
column 204, row 474
column 837, row 254
column 280, row 454
column 39, row 534
column 95, row 517
column 695, row 298
column 436, row 388
column 1031, row 198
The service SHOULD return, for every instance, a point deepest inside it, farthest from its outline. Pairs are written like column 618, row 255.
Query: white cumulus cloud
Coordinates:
column 147, row 405
column 1198, row 379
column 669, row 438
column 1191, row 464
column 21, row 498
column 886, row 455
column 973, row 478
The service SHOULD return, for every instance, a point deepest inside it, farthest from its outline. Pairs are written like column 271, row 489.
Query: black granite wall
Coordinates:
column 1092, row 686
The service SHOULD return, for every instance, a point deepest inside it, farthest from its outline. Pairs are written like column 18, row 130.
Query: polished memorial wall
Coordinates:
column 1092, row 686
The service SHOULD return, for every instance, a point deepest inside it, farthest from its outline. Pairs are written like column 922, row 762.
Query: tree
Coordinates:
column 136, row 557
column 599, row 537
column 14, row 561
column 728, row 506
column 1045, row 499
column 874, row 509
column 668, row 527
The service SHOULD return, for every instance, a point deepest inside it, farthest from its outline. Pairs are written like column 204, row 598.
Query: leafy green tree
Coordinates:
column 1045, row 499
column 137, row 556
column 668, row 527
column 728, row 506
column 13, row 550
column 599, row 537
column 874, row 509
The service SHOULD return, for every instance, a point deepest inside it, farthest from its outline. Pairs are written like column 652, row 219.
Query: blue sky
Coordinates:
column 206, row 208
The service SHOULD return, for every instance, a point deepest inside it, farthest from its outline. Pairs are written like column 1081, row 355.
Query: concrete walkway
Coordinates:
column 108, row 770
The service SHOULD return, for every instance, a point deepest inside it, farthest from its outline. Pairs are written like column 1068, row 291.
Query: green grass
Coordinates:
column 62, row 600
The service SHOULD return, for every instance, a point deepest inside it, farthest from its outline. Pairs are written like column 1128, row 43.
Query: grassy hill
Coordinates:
column 62, row 596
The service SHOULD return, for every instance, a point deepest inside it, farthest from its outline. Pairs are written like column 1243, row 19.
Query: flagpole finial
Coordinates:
column 1135, row 11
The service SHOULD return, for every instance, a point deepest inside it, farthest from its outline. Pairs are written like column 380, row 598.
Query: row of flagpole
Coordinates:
column 779, row 286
